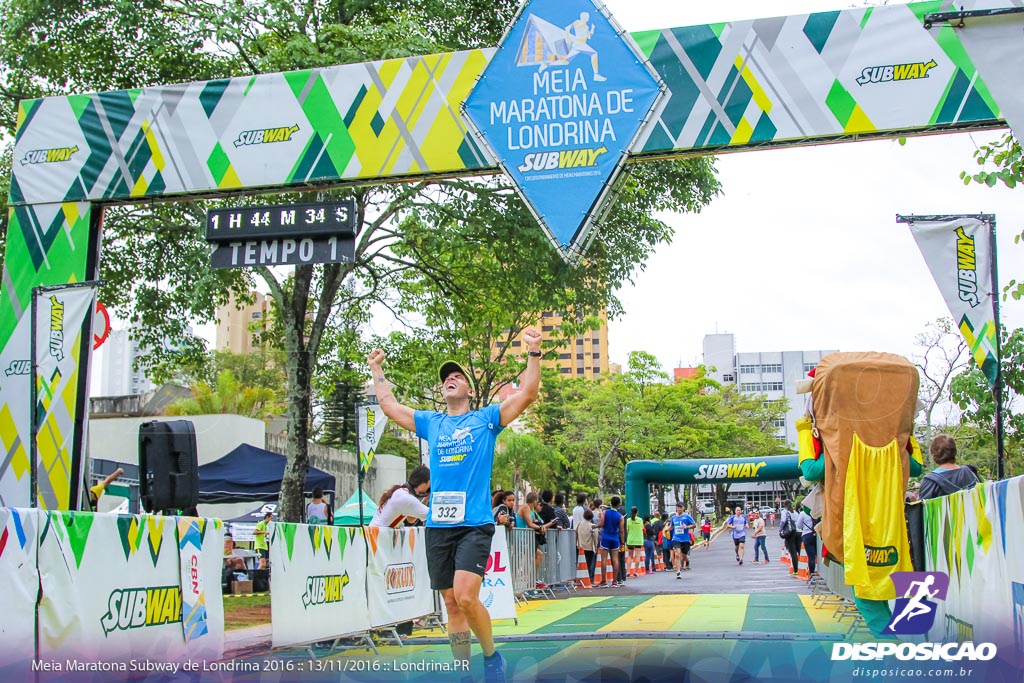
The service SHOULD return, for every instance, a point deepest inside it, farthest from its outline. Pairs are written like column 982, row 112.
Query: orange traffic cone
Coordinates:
column 582, row 575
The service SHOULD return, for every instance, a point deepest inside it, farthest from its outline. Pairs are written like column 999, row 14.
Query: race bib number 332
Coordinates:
column 448, row 507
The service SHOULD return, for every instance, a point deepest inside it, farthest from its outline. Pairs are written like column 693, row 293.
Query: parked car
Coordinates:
column 706, row 507
column 766, row 510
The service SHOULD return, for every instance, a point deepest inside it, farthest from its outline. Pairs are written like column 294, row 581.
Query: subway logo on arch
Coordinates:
column 265, row 136
column 140, row 607
column 48, row 156
column 729, row 470
column 566, row 158
column 896, row 72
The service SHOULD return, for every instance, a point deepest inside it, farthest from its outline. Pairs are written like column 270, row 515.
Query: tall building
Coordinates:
column 237, row 329
column 115, row 373
column 583, row 356
column 772, row 373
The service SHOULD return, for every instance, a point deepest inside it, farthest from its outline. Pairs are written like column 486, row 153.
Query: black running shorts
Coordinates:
column 464, row 548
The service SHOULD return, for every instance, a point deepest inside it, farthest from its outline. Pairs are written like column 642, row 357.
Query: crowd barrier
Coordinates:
column 119, row 589
column 976, row 536
column 522, row 553
column 334, row 582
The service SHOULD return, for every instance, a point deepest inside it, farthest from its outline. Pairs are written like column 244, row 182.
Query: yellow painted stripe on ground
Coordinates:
column 822, row 618
column 660, row 613
column 719, row 612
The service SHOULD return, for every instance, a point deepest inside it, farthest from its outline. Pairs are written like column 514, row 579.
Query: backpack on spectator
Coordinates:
column 788, row 527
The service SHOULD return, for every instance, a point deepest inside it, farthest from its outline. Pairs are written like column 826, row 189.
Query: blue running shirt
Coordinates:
column 461, row 458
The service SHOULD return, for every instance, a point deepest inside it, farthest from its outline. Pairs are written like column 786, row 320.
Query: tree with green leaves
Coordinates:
column 638, row 415
column 520, row 457
column 420, row 237
column 1001, row 161
column 973, row 394
column 227, row 396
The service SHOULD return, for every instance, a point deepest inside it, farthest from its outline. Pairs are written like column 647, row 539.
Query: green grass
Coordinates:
column 246, row 610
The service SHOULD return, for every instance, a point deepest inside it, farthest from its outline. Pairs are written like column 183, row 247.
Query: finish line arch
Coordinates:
column 862, row 73
column 640, row 474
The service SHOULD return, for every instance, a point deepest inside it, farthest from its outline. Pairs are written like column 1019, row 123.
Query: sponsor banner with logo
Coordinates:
column 975, row 537
column 397, row 583
column 496, row 592
column 319, row 587
column 560, row 106
column 47, row 244
column 372, row 421
column 193, row 585
column 112, row 592
column 15, row 416
column 60, row 317
column 993, row 44
column 958, row 251
column 19, row 535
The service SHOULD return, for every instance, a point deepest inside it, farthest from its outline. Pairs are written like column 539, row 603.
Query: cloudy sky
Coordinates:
column 802, row 249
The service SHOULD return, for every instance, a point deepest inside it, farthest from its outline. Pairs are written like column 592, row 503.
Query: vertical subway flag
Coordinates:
column 372, row 421
column 958, row 251
column 60, row 316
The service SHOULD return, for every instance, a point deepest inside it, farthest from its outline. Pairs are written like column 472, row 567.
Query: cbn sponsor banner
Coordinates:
column 193, row 584
column 975, row 537
column 958, row 251
column 19, row 536
column 318, row 589
column 111, row 590
column 397, row 585
column 60, row 316
column 372, row 421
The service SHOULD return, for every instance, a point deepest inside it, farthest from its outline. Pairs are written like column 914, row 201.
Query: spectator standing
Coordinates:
column 666, row 541
column 948, row 477
column 504, row 503
column 564, row 521
column 634, row 540
column 319, row 512
column 650, row 534
column 403, row 502
column 805, row 525
column 586, row 539
column 771, row 517
column 259, row 543
column 791, row 538
column 760, row 539
column 529, row 517
column 577, row 512
column 547, row 512
column 613, row 533
column 620, row 507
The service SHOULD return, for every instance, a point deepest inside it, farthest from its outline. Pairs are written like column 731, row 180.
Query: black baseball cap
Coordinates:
column 450, row 366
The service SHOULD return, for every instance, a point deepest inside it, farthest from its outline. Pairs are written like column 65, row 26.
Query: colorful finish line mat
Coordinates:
column 761, row 637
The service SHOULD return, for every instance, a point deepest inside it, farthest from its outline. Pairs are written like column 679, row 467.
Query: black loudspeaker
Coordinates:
column 168, row 466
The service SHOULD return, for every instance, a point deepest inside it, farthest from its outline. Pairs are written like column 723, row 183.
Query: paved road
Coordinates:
column 715, row 570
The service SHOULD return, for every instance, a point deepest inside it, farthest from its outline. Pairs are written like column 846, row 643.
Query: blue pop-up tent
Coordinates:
column 253, row 474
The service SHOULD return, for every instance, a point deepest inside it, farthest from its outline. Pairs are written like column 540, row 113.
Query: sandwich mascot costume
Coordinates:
column 857, row 440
